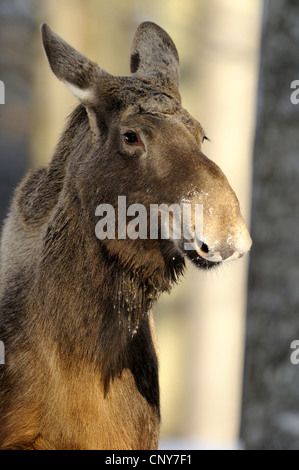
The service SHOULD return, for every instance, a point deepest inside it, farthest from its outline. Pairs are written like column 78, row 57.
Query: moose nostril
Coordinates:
column 227, row 253
column 205, row 248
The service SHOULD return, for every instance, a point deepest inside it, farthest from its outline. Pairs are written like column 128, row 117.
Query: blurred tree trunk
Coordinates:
column 228, row 44
column 271, row 395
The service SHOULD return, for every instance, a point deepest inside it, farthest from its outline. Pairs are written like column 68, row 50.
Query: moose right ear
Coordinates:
column 153, row 54
column 77, row 72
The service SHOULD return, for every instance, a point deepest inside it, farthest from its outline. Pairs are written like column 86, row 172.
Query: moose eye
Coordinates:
column 131, row 138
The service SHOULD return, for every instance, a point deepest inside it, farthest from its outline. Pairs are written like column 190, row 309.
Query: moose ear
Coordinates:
column 77, row 72
column 153, row 53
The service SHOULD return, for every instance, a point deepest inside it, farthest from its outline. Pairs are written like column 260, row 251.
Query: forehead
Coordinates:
column 155, row 106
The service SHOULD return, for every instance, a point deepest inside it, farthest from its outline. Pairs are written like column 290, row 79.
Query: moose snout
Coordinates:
column 229, row 249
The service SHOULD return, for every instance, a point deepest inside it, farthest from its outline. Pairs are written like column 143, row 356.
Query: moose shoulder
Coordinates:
column 81, row 369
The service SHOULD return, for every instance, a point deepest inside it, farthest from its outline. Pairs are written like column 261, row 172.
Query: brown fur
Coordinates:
column 81, row 366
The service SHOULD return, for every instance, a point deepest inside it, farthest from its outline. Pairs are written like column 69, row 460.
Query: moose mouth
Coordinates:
column 193, row 253
column 199, row 261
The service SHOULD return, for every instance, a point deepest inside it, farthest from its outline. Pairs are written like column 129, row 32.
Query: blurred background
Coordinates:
column 227, row 381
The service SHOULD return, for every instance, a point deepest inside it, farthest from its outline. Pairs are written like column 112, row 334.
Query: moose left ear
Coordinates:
column 154, row 55
column 79, row 74
column 75, row 70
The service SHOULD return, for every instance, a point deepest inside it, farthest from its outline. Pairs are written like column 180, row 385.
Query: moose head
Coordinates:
column 144, row 145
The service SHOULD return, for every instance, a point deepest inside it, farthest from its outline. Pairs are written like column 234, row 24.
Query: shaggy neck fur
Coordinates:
column 110, row 330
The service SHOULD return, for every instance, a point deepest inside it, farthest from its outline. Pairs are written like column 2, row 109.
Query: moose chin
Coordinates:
column 81, row 367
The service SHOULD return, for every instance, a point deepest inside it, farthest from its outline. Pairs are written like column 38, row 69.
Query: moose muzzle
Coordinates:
column 229, row 249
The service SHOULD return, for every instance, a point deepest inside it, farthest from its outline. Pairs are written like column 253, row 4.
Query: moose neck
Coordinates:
column 129, row 289
column 77, row 130
column 115, row 283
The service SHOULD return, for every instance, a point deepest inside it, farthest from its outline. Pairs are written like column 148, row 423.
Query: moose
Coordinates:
column 81, row 364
